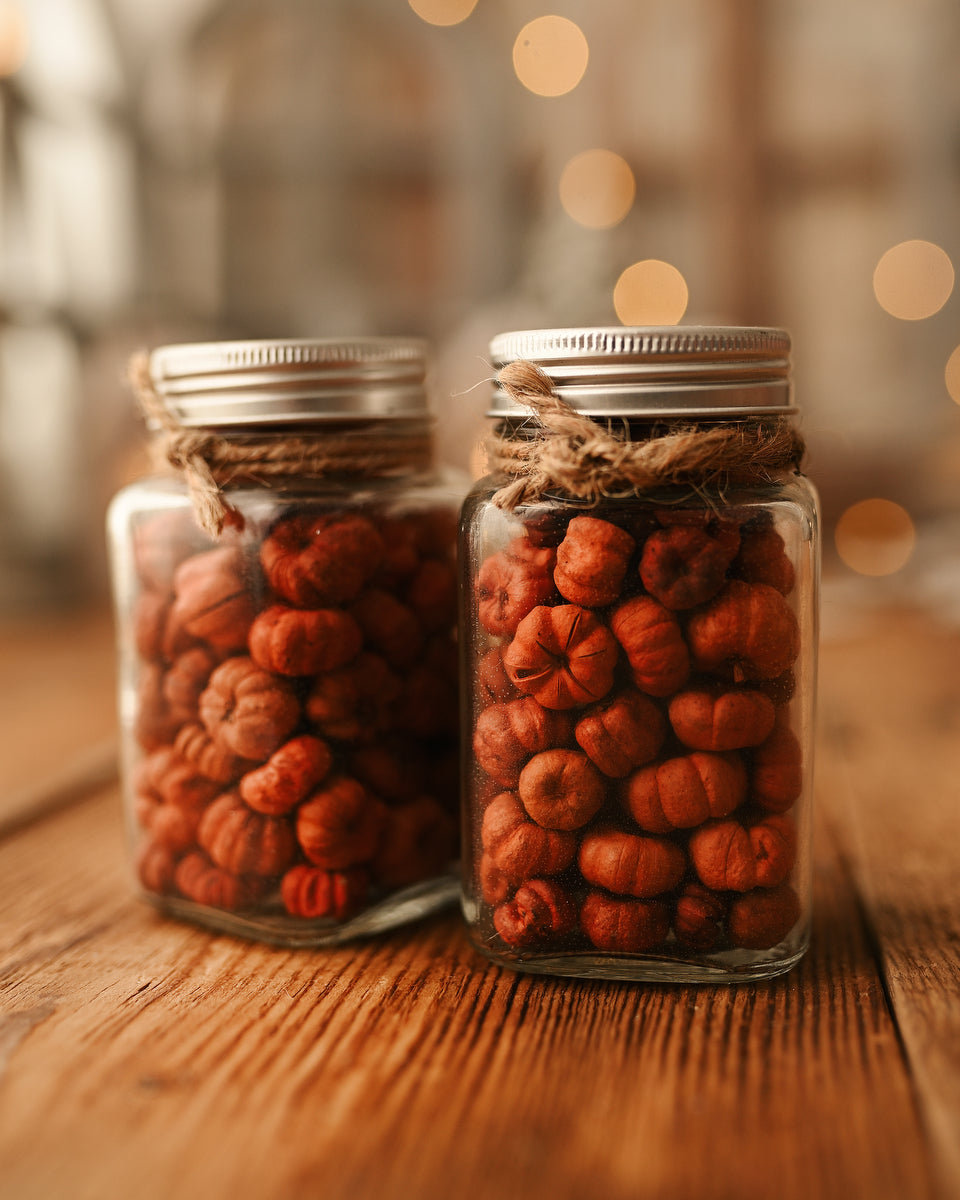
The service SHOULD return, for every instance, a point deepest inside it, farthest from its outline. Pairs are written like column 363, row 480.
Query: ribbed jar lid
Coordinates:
column 655, row 371
column 290, row 381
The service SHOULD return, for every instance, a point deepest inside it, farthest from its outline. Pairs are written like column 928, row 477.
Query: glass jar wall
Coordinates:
column 639, row 677
column 288, row 689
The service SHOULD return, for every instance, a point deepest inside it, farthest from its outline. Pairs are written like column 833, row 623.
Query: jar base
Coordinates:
column 280, row 929
column 734, row 967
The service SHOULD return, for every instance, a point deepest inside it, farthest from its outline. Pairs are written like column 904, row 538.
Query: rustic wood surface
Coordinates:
column 141, row 1056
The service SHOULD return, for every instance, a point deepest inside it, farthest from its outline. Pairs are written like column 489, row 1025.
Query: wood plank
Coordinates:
column 142, row 1056
column 57, row 710
column 889, row 777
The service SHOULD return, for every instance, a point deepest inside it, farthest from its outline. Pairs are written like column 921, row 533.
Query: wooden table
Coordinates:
column 142, row 1057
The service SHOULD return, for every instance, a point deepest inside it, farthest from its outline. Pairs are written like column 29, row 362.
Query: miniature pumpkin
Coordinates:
column 212, row 600
column 539, row 912
column 506, row 735
column 296, row 641
column 776, row 779
column 389, row 627
column 314, row 894
column 353, row 703
column 156, row 868
column 621, row 926
column 287, row 777
column 249, row 711
column 319, row 559
column 154, row 724
column 708, row 719
column 395, row 768
column 544, row 525
column 630, row 865
column 763, row 559
column 561, row 789
column 750, row 626
column 419, row 840
column 761, row 919
column 185, row 680
column 174, row 827
column 170, row 779
column 401, row 550
column 620, row 734
column 210, row 758
column 728, row 856
column 685, row 791
column 563, row 657
column 495, row 886
column 340, row 825
column 204, row 882
column 428, row 705
column 518, row 847
column 160, row 543
column 150, row 612
column 653, row 642
column 245, row 842
column 592, row 561
column 432, row 595
column 686, row 565
column 512, row 583
column 698, row 920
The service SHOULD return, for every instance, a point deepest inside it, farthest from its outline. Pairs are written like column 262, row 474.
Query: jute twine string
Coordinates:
column 571, row 453
column 210, row 462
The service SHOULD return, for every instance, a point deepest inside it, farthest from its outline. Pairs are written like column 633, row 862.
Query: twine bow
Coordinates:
column 210, row 462
column 571, row 453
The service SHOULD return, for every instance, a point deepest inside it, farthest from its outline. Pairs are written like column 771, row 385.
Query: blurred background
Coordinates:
column 199, row 169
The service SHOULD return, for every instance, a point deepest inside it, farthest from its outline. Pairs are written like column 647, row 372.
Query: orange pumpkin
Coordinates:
column 563, row 657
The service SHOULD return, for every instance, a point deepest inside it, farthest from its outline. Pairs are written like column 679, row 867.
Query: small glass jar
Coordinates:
column 639, row 639
column 288, row 685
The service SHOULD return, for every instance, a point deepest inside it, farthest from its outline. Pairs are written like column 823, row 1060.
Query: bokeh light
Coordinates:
column 651, row 292
column 597, row 188
column 875, row 537
column 952, row 375
column 13, row 37
column 550, row 56
column 443, row 12
column 913, row 280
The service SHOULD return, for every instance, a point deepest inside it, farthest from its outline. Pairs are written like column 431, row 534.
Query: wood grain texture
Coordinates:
column 57, row 710
column 144, row 1057
column 889, row 777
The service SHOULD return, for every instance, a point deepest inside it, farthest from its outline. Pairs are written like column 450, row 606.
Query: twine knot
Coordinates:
column 572, row 453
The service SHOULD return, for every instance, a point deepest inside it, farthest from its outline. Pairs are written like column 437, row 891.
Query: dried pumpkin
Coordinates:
column 651, row 637
column 685, row 565
column 564, row 657
column 592, row 561
column 621, row 733
column 506, row 735
column 716, row 719
column 630, row 865
column 749, row 627
column 297, row 642
column 319, row 559
column 512, row 583
column 540, row 911
column 685, row 791
column 520, row 848
column 248, row 711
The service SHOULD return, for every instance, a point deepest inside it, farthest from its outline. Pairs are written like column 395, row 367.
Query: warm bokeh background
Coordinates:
column 199, row 169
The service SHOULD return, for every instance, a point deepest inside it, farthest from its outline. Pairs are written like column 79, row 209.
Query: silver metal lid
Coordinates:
column 292, row 381
column 655, row 371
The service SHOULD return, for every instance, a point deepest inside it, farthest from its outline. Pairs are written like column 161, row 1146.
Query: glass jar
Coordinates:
column 286, row 611
column 640, row 578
